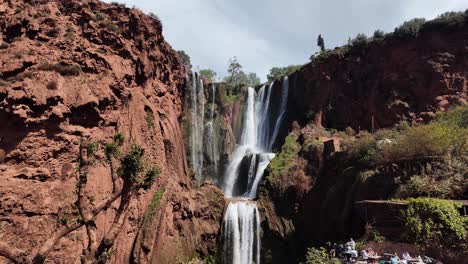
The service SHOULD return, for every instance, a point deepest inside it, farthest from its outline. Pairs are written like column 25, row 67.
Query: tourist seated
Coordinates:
column 352, row 244
column 406, row 256
column 394, row 259
column 371, row 252
column 351, row 254
column 364, row 254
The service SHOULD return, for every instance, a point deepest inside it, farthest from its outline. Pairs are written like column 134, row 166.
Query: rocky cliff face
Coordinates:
column 74, row 70
column 399, row 79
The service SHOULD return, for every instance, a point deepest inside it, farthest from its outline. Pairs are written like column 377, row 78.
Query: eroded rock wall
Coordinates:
column 85, row 69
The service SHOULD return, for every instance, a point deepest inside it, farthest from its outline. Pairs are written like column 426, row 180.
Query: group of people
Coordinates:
column 349, row 253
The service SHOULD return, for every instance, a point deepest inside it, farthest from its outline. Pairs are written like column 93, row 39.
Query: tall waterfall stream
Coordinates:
column 261, row 123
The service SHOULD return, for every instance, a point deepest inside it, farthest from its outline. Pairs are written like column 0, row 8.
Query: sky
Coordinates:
column 273, row 33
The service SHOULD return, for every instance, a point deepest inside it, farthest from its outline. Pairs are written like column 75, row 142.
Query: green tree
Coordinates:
column 410, row 28
column 434, row 222
column 378, row 34
column 234, row 69
column 321, row 42
column 360, row 40
column 253, row 79
column 185, row 59
column 208, row 74
column 277, row 72
column 319, row 255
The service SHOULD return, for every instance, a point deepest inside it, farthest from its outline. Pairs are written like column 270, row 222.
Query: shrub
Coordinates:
column 426, row 141
column 363, row 149
column 444, row 179
column 111, row 150
column 286, row 171
column 99, row 16
column 149, row 119
column 448, row 19
column 410, row 28
column 151, row 174
column 281, row 163
column 91, row 149
column 378, row 35
column 319, row 255
column 148, row 217
column 62, row 69
column 132, row 164
column 119, row 138
column 457, row 116
column 434, row 222
column 360, row 41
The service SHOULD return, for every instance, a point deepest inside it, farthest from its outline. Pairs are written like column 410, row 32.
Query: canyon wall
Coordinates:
column 387, row 81
column 74, row 70
column 364, row 88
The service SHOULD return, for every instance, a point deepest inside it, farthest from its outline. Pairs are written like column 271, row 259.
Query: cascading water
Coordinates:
column 211, row 138
column 250, row 159
column 197, row 110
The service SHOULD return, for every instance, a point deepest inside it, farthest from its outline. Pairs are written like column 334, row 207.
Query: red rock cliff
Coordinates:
column 385, row 82
column 73, row 70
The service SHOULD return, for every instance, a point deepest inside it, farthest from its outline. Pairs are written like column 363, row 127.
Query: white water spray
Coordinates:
column 250, row 159
column 196, row 137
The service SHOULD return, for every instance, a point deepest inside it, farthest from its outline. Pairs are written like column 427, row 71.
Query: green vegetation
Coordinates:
column 237, row 77
column 149, row 119
column 151, row 174
column 447, row 135
column 185, row 59
column 278, row 72
column 111, row 149
column 132, row 163
column 91, row 149
column 438, row 150
column 319, row 255
column 62, row 68
column 360, row 41
column 321, row 42
column 281, row 163
column 154, row 204
column 105, row 256
column 434, row 222
column 378, row 35
column 208, row 74
column 119, row 139
column 286, row 171
column 410, row 28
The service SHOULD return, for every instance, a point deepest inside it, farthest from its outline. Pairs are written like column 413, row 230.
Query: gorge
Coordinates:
column 112, row 150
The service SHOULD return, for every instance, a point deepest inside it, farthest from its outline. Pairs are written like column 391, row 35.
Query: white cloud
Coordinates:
column 268, row 33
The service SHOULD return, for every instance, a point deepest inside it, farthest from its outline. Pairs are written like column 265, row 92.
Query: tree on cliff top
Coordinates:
column 234, row 68
column 321, row 42
column 253, row 79
column 185, row 59
column 208, row 74
column 277, row 72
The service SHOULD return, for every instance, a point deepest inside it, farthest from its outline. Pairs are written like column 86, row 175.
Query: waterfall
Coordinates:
column 245, row 171
column 243, row 243
column 212, row 143
column 284, row 102
column 196, row 137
